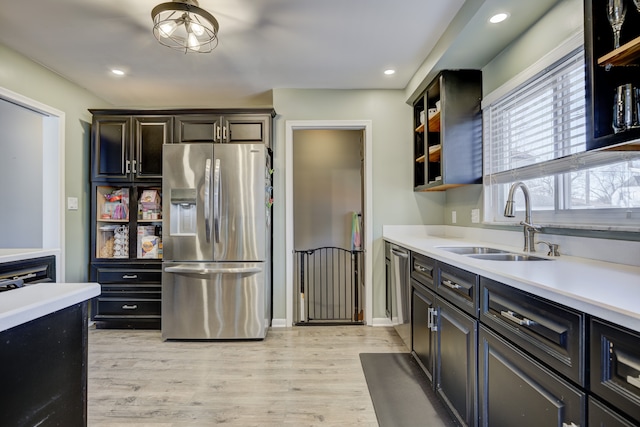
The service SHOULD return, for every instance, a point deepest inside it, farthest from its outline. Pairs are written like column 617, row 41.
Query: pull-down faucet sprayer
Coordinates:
column 529, row 228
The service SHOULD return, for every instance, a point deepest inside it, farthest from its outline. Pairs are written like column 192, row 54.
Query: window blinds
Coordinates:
column 538, row 122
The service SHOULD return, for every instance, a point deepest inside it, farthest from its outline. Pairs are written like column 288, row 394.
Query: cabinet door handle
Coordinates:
column 133, row 169
column 570, row 425
column 399, row 253
column 432, row 320
column 128, row 167
column 515, row 319
column 224, row 133
column 130, row 307
column 129, row 276
column 218, row 133
column 449, row 284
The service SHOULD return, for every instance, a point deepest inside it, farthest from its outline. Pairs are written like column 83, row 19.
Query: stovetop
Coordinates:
column 10, row 284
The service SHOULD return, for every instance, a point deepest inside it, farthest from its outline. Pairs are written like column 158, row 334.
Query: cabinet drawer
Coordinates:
column 515, row 390
column 550, row 332
column 131, row 291
column 423, row 270
column 459, row 287
column 116, row 275
column 127, row 307
column 615, row 366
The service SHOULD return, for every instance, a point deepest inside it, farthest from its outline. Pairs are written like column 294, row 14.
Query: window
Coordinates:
column 534, row 132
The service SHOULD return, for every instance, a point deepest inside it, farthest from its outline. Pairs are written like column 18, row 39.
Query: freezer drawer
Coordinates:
column 214, row 301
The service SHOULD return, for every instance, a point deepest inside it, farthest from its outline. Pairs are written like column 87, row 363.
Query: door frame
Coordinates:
column 366, row 126
column 53, row 168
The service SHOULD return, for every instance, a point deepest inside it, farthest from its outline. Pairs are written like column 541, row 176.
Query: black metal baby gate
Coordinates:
column 329, row 284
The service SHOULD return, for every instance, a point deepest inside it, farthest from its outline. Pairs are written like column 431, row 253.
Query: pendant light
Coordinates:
column 184, row 26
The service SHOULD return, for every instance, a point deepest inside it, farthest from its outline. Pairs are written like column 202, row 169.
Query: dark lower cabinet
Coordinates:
column 423, row 303
column 456, row 371
column 43, row 370
column 130, row 296
column 615, row 367
column 515, row 390
column 601, row 416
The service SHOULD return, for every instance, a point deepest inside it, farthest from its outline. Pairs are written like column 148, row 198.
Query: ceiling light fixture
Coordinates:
column 498, row 17
column 117, row 72
column 389, row 72
column 184, row 26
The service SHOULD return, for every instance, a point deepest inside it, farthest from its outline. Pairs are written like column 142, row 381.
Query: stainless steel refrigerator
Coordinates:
column 216, row 270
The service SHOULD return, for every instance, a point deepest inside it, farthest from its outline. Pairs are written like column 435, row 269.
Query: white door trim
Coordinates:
column 53, row 223
column 366, row 125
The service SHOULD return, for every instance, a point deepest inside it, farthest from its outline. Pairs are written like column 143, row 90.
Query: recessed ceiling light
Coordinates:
column 389, row 72
column 117, row 72
column 498, row 17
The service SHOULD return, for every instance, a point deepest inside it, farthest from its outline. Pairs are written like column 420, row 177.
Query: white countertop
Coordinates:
column 30, row 302
column 8, row 255
column 604, row 289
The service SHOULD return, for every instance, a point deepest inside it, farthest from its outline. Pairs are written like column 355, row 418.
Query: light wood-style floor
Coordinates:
column 301, row 376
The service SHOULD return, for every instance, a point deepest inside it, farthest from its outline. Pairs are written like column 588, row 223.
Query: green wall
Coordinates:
column 23, row 76
column 394, row 201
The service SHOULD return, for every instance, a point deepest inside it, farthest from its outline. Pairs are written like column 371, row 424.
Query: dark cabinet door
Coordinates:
column 423, row 317
column 615, row 366
column 248, row 129
column 111, row 145
column 601, row 416
column 456, row 371
column 515, row 390
column 197, row 128
column 150, row 135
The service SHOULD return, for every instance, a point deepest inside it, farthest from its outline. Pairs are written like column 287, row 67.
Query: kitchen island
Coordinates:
column 43, row 353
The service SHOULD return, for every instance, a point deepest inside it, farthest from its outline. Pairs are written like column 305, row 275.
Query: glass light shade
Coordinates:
column 184, row 26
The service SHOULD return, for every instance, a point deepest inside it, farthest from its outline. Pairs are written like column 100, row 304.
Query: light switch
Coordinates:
column 475, row 216
column 72, row 203
column 454, row 218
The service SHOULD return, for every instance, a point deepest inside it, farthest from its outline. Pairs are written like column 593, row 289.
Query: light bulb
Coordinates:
column 192, row 42
column 167, row 28
column 197, row 29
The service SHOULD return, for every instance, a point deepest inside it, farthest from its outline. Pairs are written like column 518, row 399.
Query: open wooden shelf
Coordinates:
column 420, row 128
column 434, row 154
column 434, row 123
column 627, row 54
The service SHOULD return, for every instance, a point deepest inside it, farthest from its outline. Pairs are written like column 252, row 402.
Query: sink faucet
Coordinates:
column 529, row 228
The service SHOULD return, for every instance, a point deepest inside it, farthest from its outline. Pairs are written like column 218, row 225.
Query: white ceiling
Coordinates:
column 264, row 45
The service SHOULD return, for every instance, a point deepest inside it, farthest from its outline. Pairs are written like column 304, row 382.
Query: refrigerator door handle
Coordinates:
column 216, row 201
column 209, row 270
column 207, row 203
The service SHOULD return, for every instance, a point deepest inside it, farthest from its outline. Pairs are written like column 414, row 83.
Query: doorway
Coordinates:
column 327, row 214
column 328, row 192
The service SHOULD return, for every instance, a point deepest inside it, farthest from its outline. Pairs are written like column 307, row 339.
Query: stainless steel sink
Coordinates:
column 468, row 250
column 508, row 257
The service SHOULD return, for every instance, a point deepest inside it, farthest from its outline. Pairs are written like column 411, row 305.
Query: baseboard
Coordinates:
column 278, row 323
column 381, row 321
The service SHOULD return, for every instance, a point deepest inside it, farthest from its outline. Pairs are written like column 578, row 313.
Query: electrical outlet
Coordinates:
column 475, row 216
column 72, row 203
column 453, row 217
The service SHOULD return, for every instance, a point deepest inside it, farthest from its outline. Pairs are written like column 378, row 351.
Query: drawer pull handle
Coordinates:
column 449, row 284
column 129, row 276
column 130, row 307
column 570, row 425
column 633, row 381
column 520, row 321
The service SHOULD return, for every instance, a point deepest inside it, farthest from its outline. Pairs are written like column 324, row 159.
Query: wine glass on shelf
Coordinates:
column 616, row 10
